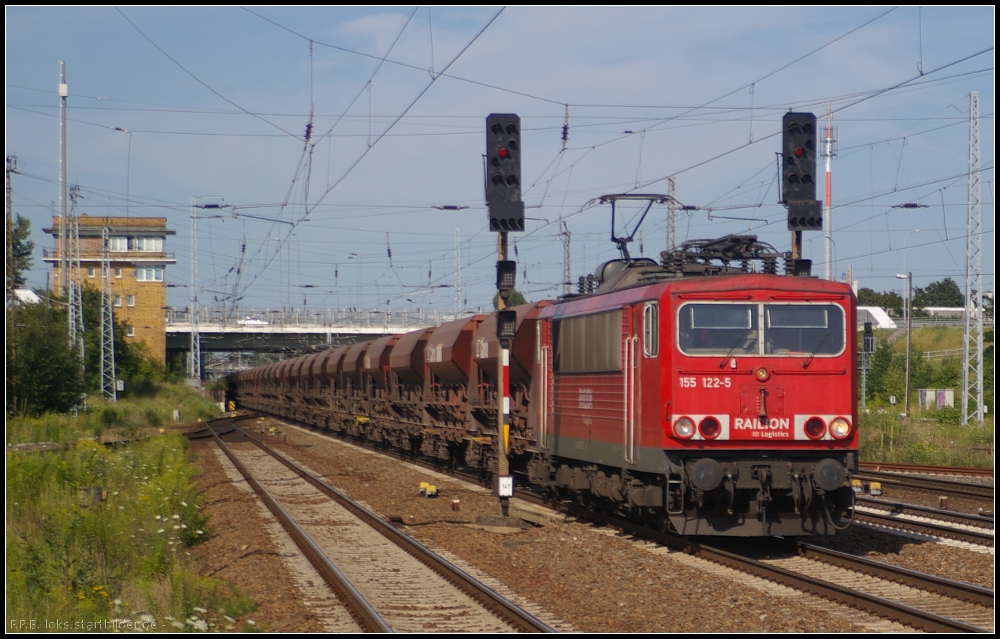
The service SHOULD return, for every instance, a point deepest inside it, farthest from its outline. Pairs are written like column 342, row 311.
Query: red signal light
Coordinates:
column 799, row 151
column 710, row 428
column 815, row 428
column 503, row 152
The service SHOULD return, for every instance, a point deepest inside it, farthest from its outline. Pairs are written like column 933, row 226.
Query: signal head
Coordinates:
column 503, row 179
column 798, row 172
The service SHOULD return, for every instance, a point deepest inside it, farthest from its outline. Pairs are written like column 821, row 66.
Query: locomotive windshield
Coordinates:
column 761, row 329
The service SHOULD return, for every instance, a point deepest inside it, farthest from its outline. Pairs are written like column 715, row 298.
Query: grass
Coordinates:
column 930, row 441
column 127, row 416
column 97, row 536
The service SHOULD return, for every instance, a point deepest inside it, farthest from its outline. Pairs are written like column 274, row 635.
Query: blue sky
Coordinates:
column 216, row 102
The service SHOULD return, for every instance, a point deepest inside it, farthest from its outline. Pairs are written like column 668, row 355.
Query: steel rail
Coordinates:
column 979, row 520
column 861, row 600
column 926, row 483
column 359, row 608
column 855, row 598
column 891, row 520
column 481, row 593
column 932, row 470
column 922, row 581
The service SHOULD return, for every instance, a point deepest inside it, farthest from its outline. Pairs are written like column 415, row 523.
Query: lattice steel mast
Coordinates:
column 972, row 352
column 108, row 379
column 75, row 287
column 567, row 287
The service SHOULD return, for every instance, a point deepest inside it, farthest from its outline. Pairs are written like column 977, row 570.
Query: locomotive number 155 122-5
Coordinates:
column 706, row 382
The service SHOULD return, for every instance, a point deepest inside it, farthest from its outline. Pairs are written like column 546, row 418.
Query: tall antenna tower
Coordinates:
column 109, row 382
column 10, row 170
column 63, row 94
column 972, row 351
column 11, row 324
column 828, row 153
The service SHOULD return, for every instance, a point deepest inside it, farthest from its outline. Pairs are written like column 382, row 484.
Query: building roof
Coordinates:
column 878, row 317
column 26, row 296
column 131, row 224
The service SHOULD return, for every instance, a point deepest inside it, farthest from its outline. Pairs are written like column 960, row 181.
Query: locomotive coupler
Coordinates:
column 728, row 489
column 802, row 492
column 764, row 494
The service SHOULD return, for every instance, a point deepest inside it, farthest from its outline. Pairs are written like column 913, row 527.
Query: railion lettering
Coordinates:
column 755, row 423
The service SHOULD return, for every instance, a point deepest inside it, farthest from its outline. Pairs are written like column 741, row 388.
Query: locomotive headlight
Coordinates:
column 683, row 428
column 762, row 374
column 840, row 428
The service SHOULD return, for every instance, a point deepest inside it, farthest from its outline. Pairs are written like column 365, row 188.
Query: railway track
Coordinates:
column 855, row 587
column 926, row 470
column 920, row 601
column 929, row 484
column 388, row 581
column 934, row 522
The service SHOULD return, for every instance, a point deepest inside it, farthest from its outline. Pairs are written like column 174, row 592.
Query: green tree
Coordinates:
column 891, row 301
column 43, row 372
column 942, row 293
column 515, row 299
column 885, row 374
column 21, row 249
column 132, row 361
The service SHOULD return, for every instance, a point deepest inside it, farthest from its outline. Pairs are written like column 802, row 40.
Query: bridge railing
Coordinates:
column 332, row 318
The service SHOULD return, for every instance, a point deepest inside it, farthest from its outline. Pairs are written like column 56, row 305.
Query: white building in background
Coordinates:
column 877, row 316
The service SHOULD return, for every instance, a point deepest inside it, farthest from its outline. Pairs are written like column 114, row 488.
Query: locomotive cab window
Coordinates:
column 651, row 329
column 790, row 330
column 803, row 328
column 718, row 329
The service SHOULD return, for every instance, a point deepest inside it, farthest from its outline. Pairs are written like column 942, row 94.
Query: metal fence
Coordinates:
column 328, row 318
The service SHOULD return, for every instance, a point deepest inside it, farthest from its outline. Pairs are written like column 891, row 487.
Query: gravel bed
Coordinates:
column 585, row 579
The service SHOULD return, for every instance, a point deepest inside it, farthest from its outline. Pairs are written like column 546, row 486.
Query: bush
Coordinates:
column 87, row 526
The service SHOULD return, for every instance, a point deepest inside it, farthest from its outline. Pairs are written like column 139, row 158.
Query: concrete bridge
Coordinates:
column 270, row 331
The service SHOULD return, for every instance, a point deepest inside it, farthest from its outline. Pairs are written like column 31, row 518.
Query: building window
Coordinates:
column 131, row 300
column 118, row 243
column 118, row 272
column 91, row 271
column 118, row 300
column 131, row 331
column 148, row 244
column 149, row 274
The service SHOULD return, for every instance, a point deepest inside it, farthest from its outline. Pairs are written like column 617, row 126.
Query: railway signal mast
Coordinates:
column 798, row 178
column 506, row 214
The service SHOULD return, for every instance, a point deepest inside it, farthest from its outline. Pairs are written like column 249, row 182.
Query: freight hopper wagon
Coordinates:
column 694, row 394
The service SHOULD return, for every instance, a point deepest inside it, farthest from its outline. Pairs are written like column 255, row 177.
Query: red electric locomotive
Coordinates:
column 695, row 394
column 718, row 404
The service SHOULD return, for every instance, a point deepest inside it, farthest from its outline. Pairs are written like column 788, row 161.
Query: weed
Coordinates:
column 95, row 533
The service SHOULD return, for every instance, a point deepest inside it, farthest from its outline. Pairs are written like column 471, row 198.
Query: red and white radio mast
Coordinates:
column 828, row 153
